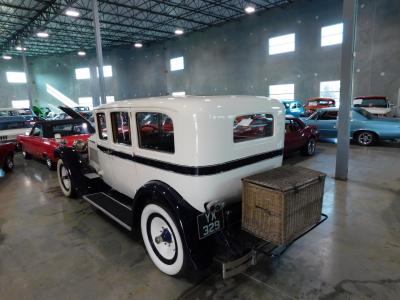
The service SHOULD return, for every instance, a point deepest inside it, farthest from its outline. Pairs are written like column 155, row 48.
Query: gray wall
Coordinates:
column 233, row 58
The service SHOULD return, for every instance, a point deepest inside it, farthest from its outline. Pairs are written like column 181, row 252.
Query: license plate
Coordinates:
column 210, row 223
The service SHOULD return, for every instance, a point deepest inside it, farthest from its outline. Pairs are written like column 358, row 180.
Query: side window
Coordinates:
column 102, row 125
column 155, row 131
column 250, row 127
column 37, row 131
column 121, row 128
column 329, row 115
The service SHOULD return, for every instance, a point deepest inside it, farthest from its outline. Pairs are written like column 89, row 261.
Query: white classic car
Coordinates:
column 15, row 121
column 168, row 165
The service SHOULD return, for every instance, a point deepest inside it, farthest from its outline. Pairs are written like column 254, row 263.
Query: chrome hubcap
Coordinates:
column 365, row 138
column 162, row 236
column 311, row 147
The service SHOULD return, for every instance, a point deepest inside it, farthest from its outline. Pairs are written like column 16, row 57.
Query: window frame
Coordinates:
column 100, row 136
column 139, row 137
column 250, row 139
column 114, row 139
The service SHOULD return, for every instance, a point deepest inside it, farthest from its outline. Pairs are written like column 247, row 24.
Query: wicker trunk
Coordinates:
column 280, row 204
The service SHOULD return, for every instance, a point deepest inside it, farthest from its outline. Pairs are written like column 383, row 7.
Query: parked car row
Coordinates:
column 376, row 105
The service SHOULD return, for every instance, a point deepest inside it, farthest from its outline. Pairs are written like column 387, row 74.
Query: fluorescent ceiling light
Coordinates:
column 72, row 13
column 42, row 34
column 178, row 31
column 19, row 48
column 249, row 9
column 138, row 45
column 81, row 53
column 7, row 57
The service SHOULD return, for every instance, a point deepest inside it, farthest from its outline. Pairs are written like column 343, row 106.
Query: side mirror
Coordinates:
column 58, row 137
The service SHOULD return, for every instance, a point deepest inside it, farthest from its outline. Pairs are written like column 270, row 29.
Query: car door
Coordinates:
column 123, row 165
column 292, row 135
column 33, row 144
column 327, row 123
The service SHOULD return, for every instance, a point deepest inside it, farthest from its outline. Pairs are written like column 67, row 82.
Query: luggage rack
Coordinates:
column 240, row 249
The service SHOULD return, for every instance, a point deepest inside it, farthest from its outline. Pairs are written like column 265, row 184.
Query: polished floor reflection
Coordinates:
column 52, row 247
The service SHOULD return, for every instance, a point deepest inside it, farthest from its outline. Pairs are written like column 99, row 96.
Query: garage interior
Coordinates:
column 55, row 247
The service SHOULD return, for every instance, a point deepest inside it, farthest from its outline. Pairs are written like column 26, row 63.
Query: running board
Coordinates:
column 116, row 210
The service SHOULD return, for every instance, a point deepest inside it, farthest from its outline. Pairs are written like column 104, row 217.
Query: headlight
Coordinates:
column 80, row 146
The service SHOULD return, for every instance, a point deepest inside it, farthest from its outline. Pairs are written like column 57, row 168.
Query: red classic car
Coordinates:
column 7, row 156
column 314, row 104
column 46, row 136
column 299, row 136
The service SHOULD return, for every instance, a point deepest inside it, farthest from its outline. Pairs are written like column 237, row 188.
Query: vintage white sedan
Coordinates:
column 169, row 165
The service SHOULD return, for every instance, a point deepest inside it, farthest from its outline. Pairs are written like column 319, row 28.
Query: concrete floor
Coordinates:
column 55, row 248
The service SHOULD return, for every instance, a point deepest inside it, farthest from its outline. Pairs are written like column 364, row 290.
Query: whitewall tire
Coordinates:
column 65, row 180
column 162, row 239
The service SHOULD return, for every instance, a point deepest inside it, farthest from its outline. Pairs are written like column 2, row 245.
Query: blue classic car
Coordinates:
column 365, row 128
column 294, row 107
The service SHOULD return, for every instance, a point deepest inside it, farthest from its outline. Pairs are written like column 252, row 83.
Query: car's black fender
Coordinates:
column 200, row 251
column 72, row 160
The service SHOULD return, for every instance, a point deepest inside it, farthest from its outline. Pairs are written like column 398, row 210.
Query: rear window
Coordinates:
column 370, row 103
column 155, row 131
column 250, row 127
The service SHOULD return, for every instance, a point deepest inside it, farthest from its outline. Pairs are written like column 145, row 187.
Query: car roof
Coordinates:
column 371, row 97
column 197, row 104
column 320, row 98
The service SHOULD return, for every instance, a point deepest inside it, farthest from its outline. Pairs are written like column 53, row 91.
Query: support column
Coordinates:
column 99, row 51
column 350, row 8
column 28, row 77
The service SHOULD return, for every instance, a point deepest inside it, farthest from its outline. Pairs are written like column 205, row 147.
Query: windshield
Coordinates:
column 71, row 129
column 364, row 113
column 370, row 103
column 286, row 104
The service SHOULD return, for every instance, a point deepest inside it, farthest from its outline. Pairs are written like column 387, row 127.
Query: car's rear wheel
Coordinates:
column 9, row 162
column 65, row 180
column 309, row 148
column 162, row 239
column 25, row 154
column 366, row 138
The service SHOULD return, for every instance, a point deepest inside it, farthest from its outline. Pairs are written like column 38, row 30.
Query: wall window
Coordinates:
column 121, row 128
column 282, row 44
column 110, row 99
column 107, row 71
column 250, row 127
column 155, row 131
column 82, row 73
column 86, row 101
column 178, row 94
column 330, row 89
column 101, row 125
column 20, row 104
column 177, row 63
column 16, row 77
column 282, row 91
column 332, row 35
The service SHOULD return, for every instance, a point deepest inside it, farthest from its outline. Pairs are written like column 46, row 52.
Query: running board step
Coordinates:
column 113, row 208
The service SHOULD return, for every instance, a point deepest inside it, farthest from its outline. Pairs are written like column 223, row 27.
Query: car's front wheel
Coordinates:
column 65, row 180
column 309, row 148
column 366, row 138
column 162, row 239
column 9, row 162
